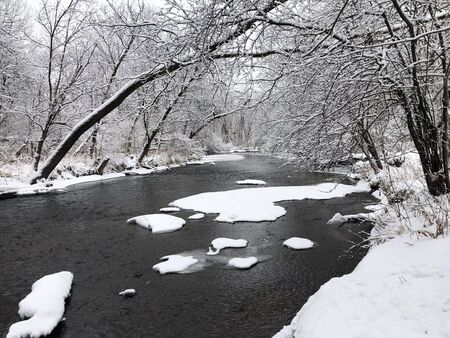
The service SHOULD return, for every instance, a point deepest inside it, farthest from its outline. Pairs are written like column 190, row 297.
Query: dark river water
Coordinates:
column 84, row 231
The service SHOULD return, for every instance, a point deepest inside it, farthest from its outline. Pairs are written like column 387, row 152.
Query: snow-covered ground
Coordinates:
column 20, row 188
column 158, row 223
column 44, row 306
column 400, row 289
column 257, row 204
column 17, row 176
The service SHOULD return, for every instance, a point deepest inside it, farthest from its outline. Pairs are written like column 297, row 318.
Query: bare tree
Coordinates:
column 67, row 54
column 212, row 42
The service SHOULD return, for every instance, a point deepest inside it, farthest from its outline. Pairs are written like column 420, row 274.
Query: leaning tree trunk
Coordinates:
column 98, row 114
column 208, row 121
column 129, row 88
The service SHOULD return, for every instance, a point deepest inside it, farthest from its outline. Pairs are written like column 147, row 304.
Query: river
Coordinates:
column 84, row 230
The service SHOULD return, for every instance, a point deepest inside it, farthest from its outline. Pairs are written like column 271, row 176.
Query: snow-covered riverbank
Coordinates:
column 399, row 288
column 13, row 185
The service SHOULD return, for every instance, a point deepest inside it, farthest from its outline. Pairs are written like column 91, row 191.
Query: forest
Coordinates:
column 90, row 80
column 107, row 86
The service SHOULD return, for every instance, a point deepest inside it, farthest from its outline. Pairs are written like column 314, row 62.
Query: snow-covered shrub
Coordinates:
column 410, row 208
column 213, row 144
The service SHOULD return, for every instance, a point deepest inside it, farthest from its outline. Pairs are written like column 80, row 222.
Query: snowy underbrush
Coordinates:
column 213, row 144
column 409, row 209
column 17, row 172
column 397, row 290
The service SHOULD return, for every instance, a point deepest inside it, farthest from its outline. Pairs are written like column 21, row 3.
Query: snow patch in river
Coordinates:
column 158, row 223
column 127, row 292
column 175, row 264
column 197, row 216
column 257, row 204
column 44, row 306
column 251, row 182
column 222, row 243
column 169, row 209
column 337, row 219
column 298, row 243
column 243, row 262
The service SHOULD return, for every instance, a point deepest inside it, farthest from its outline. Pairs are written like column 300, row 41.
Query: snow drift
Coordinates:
column 398, row 290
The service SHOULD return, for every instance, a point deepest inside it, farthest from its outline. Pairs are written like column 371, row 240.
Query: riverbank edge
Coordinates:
column 15, row 188
column 406, row 257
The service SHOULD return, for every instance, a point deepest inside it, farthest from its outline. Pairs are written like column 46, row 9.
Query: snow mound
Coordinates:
column 198, row 162
column 257, row 204
column 169, row 209
column 251, row 182
column 222, row 243
column 243, row 263
column 222, row 158
column 159, row 223
column 375, row 207
column 44, row 306
column 127, row 292
column 174, row 264
column 197, row 216
column 395, row 291
column 337, row 219
column 298, row 243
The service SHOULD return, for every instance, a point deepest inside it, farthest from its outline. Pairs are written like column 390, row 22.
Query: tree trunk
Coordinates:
column 93, row 146
column 101, row 167
column 374, row 157
column 39, row 148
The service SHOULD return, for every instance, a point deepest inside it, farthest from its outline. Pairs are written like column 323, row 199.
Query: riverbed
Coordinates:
column 84, row 230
